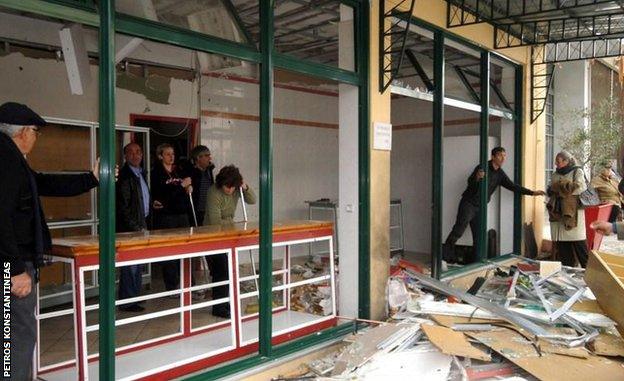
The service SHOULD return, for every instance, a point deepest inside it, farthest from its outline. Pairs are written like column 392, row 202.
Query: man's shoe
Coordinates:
column 132, row 308
column 448, row 253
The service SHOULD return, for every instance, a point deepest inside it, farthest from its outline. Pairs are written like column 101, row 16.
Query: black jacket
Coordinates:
column 496, row 178
column 167, row 188
column 199, row 198
column 130, row 210
column 24, row 234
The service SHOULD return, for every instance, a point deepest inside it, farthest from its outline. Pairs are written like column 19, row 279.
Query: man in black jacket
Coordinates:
column 133, row 207
column 24, row 235
column 202, row 179
column 468, row 211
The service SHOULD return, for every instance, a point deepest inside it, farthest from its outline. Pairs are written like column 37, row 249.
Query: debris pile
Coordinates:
column 530, row 320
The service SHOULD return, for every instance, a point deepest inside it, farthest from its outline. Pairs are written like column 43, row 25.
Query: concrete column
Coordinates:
column 379, row 180
column 348, row 172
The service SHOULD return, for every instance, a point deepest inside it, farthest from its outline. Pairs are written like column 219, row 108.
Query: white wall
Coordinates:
column 411, row 163
column 43, row 85
column 305, row 158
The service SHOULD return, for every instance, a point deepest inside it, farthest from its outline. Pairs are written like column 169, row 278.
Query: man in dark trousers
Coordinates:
column 133, row 207
column 24, row 235
column 202, row 179
column 468, row 212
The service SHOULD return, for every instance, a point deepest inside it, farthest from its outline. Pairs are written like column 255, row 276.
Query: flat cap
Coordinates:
column 20, row 115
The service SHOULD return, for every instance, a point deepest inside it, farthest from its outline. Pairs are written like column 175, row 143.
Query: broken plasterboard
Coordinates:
column 364, row 347
column 408, row 365
column 548, row 366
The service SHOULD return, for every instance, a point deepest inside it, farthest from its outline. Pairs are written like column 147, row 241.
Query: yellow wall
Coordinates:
column 434, row 12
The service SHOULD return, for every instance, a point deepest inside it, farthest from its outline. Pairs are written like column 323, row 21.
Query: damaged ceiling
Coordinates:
column 306, row 29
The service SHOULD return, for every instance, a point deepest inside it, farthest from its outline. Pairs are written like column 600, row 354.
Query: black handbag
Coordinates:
column 589, row 197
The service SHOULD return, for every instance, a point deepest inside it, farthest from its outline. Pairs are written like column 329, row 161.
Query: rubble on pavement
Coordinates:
column 525, row 321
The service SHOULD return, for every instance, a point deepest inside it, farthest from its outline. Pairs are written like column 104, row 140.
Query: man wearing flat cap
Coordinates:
column 24, row 235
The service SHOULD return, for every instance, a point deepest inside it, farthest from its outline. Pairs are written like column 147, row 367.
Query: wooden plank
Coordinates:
column 612, row 258
column 618, row 270
column 453, row 343
column 607, row 287
column 89, row 245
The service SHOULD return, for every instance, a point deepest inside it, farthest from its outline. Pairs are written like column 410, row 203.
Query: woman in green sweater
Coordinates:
column 221, row 205
column 223, row 198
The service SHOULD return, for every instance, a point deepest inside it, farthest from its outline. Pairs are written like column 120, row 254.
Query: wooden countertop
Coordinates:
column 89, row 245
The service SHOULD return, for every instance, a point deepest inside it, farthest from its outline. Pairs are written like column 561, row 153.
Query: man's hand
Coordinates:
column 602, row 227
column 186, row 182
column 480, row 174
column 157, row 205
column 539, row 193
column 21, row 285
column 96, row 170
column 189, row 189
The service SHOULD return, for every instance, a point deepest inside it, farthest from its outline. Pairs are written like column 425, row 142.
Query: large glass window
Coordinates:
column 502, row 84
column 550, row 136
column 184, row 97
column 315, row 31
column 462, row 80
column 315, row 194
column 229, row 20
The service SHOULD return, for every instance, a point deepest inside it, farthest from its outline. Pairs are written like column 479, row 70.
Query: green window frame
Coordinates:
column 440, row 36
column 109, row 22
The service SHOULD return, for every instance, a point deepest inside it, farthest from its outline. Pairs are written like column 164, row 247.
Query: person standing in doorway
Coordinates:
column 469, row 206
column 133, row 208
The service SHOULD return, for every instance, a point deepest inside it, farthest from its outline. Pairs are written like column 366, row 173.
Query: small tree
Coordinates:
column 599, row 143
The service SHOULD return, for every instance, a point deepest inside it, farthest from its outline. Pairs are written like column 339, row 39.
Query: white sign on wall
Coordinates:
column 382, row 136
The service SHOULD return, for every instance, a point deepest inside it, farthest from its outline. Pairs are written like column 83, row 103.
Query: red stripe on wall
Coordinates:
column 456, row 122
column 237, row 78
column 255, row 118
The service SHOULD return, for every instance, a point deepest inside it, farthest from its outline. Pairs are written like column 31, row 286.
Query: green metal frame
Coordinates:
column 266, row 176
column 106, row 192
column 111, row 22
column 481, row 245
column 437, row 195
column 362, row 57
column 518, row 176
column 437, row 185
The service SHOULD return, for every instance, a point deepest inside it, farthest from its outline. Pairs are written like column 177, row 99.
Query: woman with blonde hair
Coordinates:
column 566, row 216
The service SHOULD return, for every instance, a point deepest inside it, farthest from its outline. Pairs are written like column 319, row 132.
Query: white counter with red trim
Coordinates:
column 235, row 241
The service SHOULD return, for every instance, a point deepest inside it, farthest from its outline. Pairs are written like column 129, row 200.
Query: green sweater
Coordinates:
column 220, row 207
